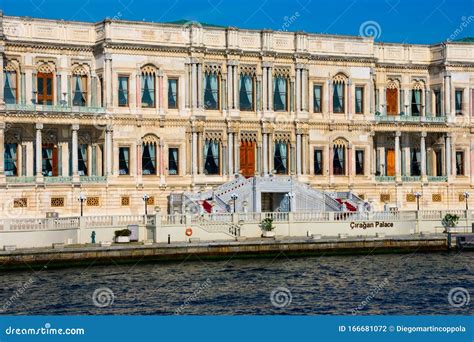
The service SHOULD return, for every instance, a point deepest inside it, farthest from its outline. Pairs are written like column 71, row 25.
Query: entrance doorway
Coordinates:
column 390, row 162
column 247, row 158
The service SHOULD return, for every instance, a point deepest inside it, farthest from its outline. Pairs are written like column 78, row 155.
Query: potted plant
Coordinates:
column 450, row 221
column 123, row 235
column 267, row 227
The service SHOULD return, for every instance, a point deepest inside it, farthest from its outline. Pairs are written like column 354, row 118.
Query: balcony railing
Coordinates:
column 54, row 108
column 409, row 118
column 93, row 179
column 385, row 178
column 59, row 179
column 19, row 180
column 437, row 178
column 411, row 178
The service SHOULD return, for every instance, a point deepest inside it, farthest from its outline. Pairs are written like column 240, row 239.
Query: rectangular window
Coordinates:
column 459, row 163
column 415, row 162
column 211, row 155
column 11, row 159
column 123, row 91
column 82, row 160
column 172, row 93
column 279, row 93
column 338, row 98
column 437, row 110
column 149, row 159
column 359, row 156
column 148, row 90
column 280, row 159
column 246, row 93
column 173, row 161
column 79, row 90
column 10, row 87
column 124, row 160
column 317, row 92
column 458, row 101
column 49, row 160
column 318, row 162
column 416, row 102
column 211, row 91
column 359, row 100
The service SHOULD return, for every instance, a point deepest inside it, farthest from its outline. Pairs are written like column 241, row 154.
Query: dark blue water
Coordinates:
column 374, row 284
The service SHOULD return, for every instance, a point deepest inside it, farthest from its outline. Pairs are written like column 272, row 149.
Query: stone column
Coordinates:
column 329, row 98
column 108, row 150
column 423, row 154
column 2, row 95
column 200, row 100
column 349, row 99
column 350, row 163
column 65, row 159
column 447, row 150
column 200, row 153
column 108, row 80
column 230, row 143
column 194, row 150
column 2, row 149
column 39, row 151
column 330, row 159
column 194, row 86
column 447, row 96
column 298, row 90
column 428, row 102
column 74, row 153
column 383, row 101
column 230, row 86
column 264, row 89
column 236, row 87
column 298, row 154
column 270, row 89
column 397, row 156
column 265, row 154
column 139, row 160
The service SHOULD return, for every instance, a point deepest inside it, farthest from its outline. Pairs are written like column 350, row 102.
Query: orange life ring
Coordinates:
column 189, row 232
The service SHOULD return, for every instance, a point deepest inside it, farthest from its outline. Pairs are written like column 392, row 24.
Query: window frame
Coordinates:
column 320, row 150
column 458, row 110
column 253, row 97
column 16, row 83
column 287, row 86
column 343, row 96
column 218, row 102
column 360, row 172
column 461, row 172
column 176, row 79
column 142, row 89
column 219, row 158
column 84, row 92
column 177, row 161
column 150, row 159
column 320, row 86
column 119, row 76
column 362, row 102
column 119, row 160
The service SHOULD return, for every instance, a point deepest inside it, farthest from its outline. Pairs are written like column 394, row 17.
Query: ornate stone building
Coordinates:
column 117, row 109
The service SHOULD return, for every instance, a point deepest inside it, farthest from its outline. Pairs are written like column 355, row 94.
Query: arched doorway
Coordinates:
column 392, row 98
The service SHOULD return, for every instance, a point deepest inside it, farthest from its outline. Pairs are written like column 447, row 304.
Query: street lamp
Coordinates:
column 466, row 196
column 234, row 197
column 82, row 198
column 145, row 199
column 289, row 196
column 417, row 195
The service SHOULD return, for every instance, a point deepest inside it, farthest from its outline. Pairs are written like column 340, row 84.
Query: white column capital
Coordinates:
column 39, row 126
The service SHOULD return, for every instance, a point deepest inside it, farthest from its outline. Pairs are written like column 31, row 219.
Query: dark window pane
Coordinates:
column 173, row 158
column 172, row 93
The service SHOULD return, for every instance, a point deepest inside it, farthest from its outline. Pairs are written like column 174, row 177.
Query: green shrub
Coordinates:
column 450, row 220
column 123, row 232
column 267, row 224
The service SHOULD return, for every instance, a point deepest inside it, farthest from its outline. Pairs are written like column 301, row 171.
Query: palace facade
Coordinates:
column 117, row 109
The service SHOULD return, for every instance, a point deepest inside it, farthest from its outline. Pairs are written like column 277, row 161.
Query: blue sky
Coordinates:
column 409, row 21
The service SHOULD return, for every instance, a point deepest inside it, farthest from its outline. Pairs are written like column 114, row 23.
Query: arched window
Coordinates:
column 247, row 90
column 391, row 97
column 211, row 88
column 339, row 157
column 416, row 98
column 149, row 155
column 10, row 86
column 79, row 87
column 211, row 157
column 338, row 97
column 44, row 85
column 148, row 85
